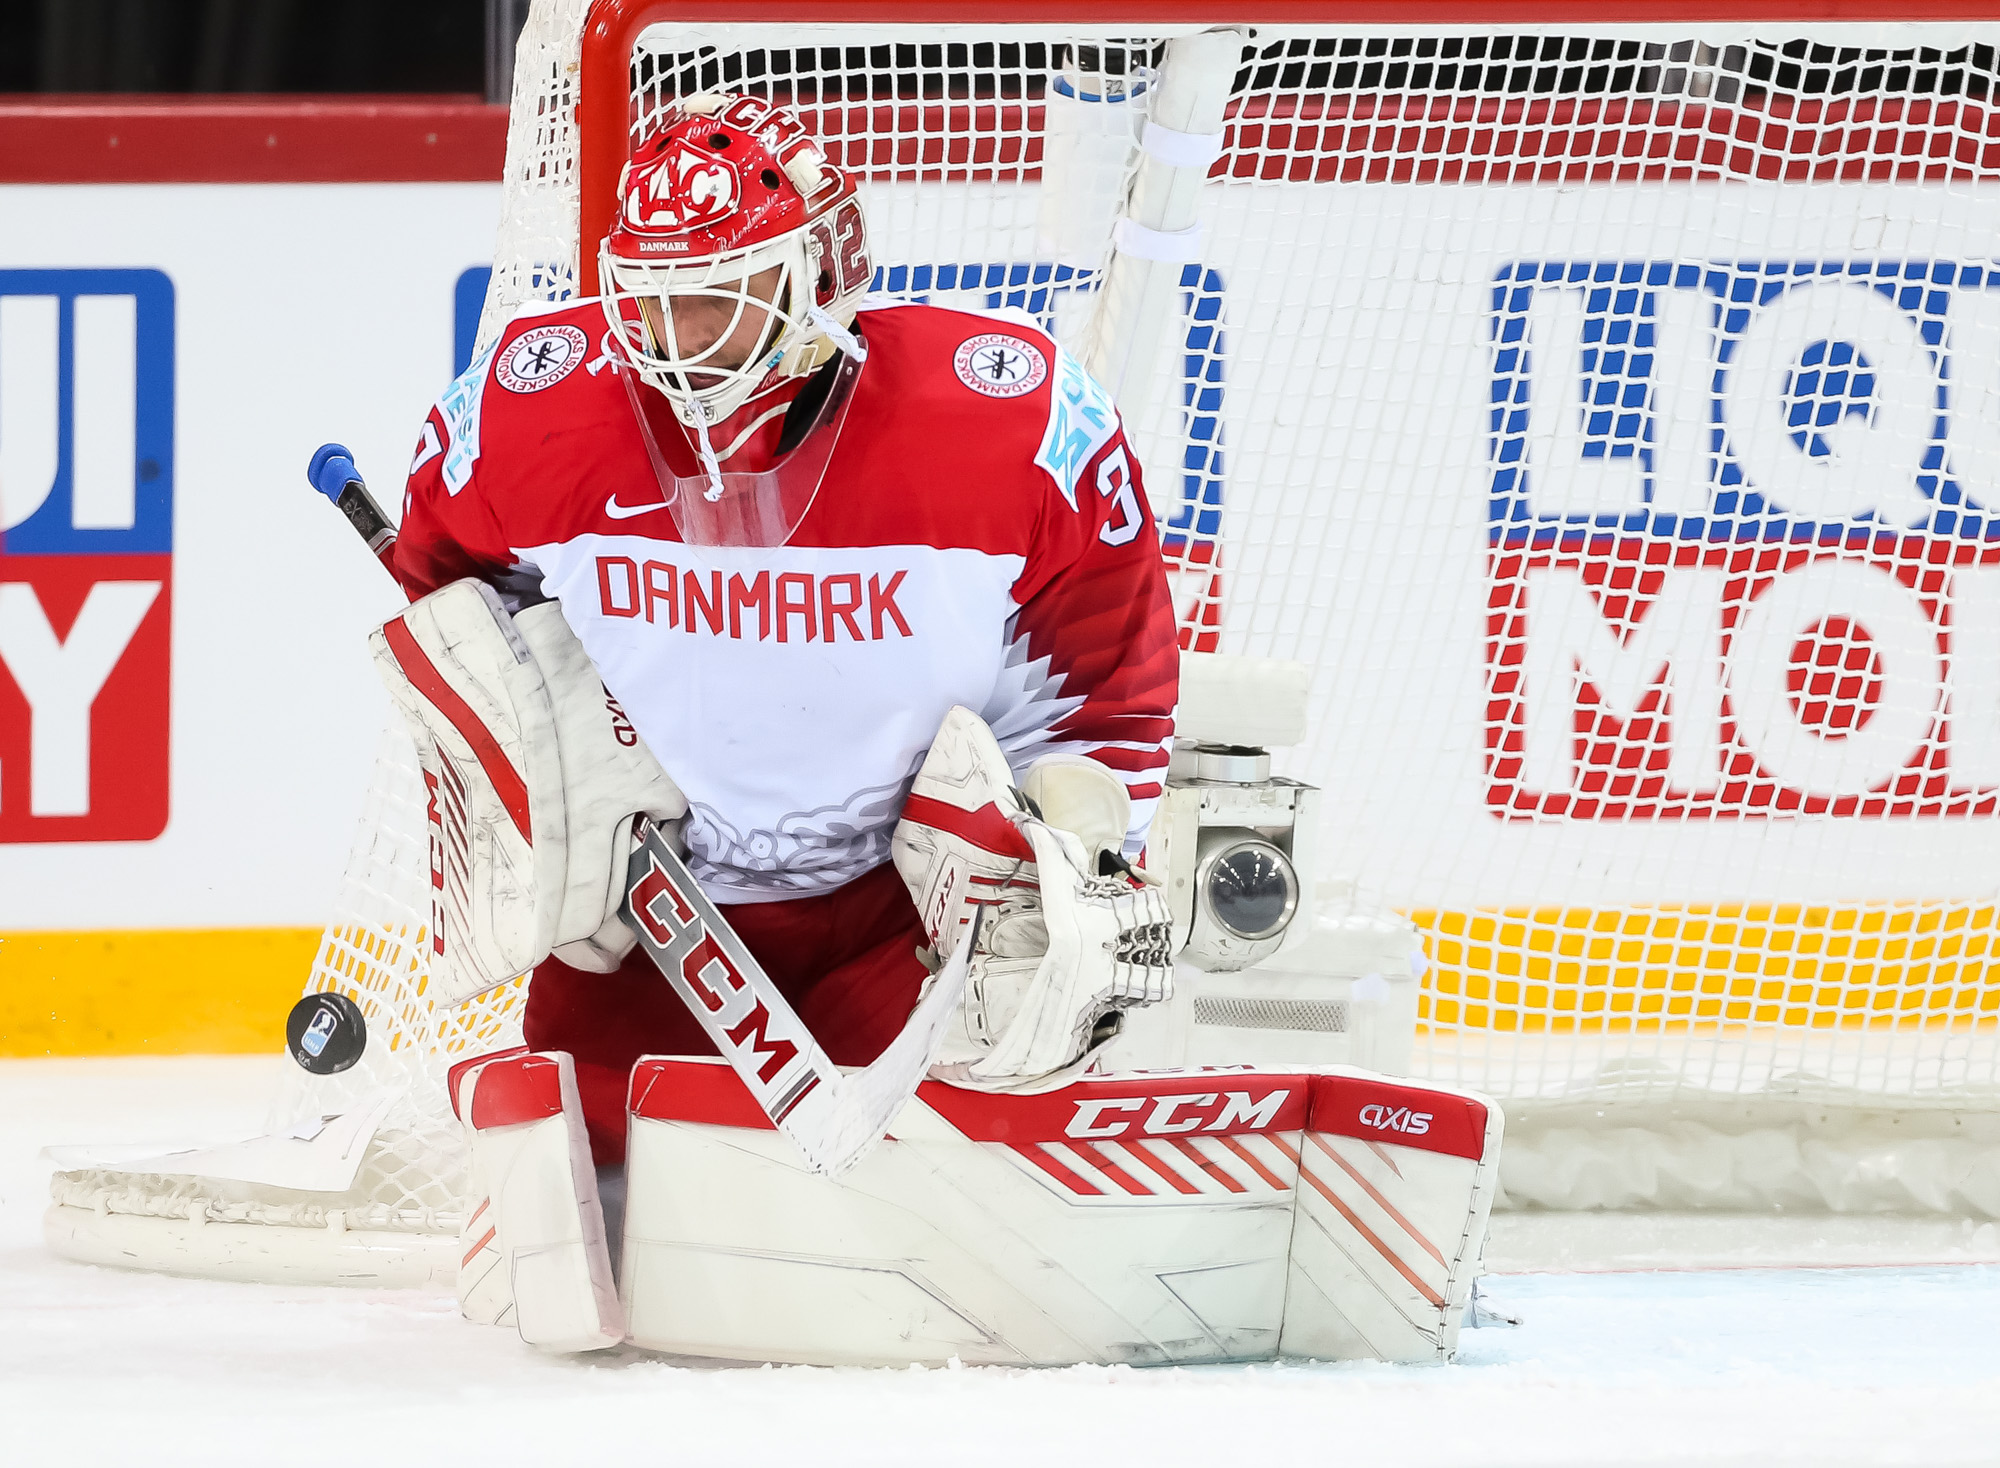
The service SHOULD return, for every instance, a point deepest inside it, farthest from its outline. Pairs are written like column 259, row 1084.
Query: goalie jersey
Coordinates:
column 980, row 537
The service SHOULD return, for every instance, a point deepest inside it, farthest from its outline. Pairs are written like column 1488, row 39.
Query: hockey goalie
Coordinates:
column 860, row 605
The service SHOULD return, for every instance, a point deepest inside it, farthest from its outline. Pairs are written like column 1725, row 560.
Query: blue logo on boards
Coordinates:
column 468, row 299
column 1797, row 401
column 86, row 412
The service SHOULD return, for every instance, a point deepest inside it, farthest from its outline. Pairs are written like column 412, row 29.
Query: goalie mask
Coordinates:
column 731, row 210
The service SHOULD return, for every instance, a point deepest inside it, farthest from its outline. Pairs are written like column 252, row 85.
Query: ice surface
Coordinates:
column 1742, row 1366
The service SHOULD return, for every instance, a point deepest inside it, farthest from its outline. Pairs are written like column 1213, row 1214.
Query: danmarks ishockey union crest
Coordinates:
column 1000, row 366
column 541, row 358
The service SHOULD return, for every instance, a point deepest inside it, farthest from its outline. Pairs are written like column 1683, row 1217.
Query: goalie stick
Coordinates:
column 832, row 1117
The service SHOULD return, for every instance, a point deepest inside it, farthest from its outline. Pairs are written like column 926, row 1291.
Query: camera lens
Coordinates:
column 1251, row 890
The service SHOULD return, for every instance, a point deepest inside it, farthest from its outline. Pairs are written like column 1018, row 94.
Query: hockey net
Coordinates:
column 1605, row 415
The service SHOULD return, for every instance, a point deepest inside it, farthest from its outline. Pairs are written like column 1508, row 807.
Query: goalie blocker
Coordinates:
column 535, row 778
column 1170, row 1217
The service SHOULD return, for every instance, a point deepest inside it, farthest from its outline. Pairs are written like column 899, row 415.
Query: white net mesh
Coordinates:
column 1630, row 517
column 412, row 1178
column 1606, row 418
column 534, row 254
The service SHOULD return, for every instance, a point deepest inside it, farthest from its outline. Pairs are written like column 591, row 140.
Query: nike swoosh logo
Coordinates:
column 625, row 512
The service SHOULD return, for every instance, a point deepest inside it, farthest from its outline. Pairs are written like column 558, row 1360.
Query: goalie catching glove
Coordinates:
column 534, row 778
column 1069, row 936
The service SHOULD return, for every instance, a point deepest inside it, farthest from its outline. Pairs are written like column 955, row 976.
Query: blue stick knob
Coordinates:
column 332, row 470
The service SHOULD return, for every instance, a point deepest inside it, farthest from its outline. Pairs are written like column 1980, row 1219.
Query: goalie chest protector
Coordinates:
column 983, row 546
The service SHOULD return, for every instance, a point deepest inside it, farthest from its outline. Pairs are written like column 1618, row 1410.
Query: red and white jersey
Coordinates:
column 980, row 537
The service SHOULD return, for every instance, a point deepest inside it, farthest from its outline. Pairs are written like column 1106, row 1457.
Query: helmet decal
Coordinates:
column 688, row 188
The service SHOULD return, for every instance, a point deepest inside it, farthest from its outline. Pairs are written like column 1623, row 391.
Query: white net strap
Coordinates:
column 534, row 257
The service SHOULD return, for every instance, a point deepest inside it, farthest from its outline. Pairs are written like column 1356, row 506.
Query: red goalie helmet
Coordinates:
column 725, row 189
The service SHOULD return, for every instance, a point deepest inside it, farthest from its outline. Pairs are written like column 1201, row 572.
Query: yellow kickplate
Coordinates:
column 226, row 991
column 1582, row 969
column 217, row 991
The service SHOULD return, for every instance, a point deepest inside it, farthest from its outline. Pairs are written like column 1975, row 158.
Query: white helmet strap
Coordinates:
column 839, row 335
column 710, row 465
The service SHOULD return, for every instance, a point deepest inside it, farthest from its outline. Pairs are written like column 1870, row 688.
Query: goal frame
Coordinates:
column 612, row 29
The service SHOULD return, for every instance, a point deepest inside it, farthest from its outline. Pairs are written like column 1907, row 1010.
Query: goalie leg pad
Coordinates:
column 1166, row 1217
column 483, row 1294
column 1137, row 1219
column 1396, row 1183
column 544, row 1226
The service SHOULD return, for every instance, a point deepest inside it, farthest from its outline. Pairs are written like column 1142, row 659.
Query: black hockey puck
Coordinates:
column 325, row 1033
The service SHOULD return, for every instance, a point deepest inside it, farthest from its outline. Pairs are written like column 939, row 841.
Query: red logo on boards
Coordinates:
column 83, row 710
column 1640, row 679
